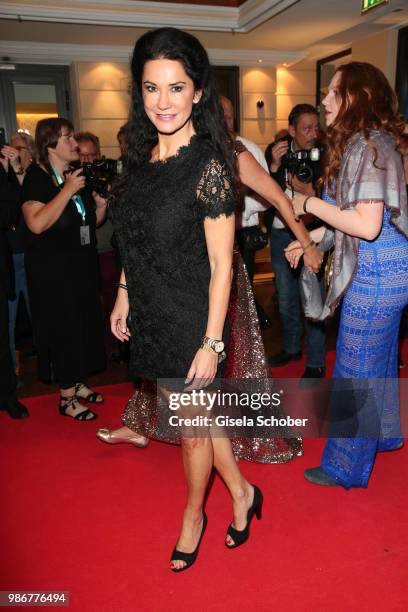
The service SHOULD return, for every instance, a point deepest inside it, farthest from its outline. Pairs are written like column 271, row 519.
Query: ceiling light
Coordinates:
column 7, row 67
column 260, row 61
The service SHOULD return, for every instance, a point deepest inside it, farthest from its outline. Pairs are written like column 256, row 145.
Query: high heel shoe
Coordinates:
column 239, row 537
column 188, row 558
column 108, row 436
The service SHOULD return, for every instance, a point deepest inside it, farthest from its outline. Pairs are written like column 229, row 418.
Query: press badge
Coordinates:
column 85, row 235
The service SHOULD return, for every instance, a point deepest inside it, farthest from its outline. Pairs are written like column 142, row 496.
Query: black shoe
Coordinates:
column 188, row 558
column 240, row 537
column 14, row 408
column 310, row 376
column 282, row 358
column 318, row 476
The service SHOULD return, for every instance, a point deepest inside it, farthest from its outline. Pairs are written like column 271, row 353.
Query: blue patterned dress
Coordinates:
column 366, row 349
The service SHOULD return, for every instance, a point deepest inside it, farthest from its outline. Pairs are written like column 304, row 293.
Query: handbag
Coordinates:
column 253, row 238
column 311, row 294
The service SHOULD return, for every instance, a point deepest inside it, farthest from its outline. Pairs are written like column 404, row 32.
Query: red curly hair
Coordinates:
column 367, row 102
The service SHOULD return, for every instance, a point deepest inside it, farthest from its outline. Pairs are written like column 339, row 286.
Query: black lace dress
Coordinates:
column 160, row 230
column 161, row 237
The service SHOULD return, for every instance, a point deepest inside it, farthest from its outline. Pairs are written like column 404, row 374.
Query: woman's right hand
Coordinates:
column 74, row 182
column 118, row 318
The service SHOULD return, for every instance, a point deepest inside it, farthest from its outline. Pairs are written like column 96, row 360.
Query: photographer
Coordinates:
column 89, row 147
column 62, row 267
column 9, row 214
column 295, row 162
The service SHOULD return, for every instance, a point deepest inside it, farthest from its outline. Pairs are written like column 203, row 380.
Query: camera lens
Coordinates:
column 304, row 173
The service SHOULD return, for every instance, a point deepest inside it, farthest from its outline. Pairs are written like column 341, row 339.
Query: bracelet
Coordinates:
column 309, row 244
column 208, row 348
column 122, row 286
column 304, row 204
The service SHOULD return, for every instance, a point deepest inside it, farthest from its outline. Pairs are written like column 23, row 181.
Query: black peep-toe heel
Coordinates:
column 240, row 537
column 188, row 558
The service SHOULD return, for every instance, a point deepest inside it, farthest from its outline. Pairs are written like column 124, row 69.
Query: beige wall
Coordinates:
column 258, row 124
column 380, row 50
column 280, row 89
column 101, row 100
column 295, row 85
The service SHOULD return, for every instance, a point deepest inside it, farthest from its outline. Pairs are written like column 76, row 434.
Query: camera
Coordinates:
column 299, row 164
column 100, row 174
column 302, row 164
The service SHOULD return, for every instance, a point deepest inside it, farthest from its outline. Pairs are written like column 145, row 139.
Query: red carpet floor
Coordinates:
column 101, row 521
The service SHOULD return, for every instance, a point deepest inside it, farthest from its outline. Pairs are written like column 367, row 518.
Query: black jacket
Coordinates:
column 9, row 215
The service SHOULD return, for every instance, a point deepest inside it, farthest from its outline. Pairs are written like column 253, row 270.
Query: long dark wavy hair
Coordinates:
column 367, row 102
column 207, row 115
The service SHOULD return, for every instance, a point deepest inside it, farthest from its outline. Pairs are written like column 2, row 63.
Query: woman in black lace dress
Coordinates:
column 174, row 219
column 173, row 214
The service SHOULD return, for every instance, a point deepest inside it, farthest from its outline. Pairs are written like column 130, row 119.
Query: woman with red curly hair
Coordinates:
column 370, row 271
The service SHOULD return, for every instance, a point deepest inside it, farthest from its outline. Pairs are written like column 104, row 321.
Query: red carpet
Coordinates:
column 101, row 521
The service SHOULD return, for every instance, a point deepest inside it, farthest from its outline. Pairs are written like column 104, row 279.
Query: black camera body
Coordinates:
column 100, row 174
column 303, row 163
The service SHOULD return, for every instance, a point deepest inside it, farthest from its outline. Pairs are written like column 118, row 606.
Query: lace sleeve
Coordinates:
column 215, row 191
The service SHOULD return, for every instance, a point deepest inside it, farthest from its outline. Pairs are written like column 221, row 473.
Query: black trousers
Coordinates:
column 8, row 379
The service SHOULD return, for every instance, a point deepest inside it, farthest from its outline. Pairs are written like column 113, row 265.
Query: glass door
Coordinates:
column 29, row 93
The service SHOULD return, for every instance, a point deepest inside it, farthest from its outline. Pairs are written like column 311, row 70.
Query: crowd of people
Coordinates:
column 158, row 247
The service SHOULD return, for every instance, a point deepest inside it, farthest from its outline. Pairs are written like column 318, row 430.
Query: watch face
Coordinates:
column 219, row 346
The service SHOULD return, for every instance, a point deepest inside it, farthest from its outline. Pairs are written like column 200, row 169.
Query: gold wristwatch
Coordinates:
column 211, row 345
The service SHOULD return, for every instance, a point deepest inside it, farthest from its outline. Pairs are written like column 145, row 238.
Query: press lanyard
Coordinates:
column 75, row 198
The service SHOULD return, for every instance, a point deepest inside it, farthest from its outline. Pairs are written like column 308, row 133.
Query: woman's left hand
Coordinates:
column 202, row 370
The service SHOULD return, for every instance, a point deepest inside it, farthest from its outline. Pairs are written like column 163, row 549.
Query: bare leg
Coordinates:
column 241, row 491
column 198, row 462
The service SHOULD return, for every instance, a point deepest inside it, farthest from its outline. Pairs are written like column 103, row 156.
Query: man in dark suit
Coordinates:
column 9, row 213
